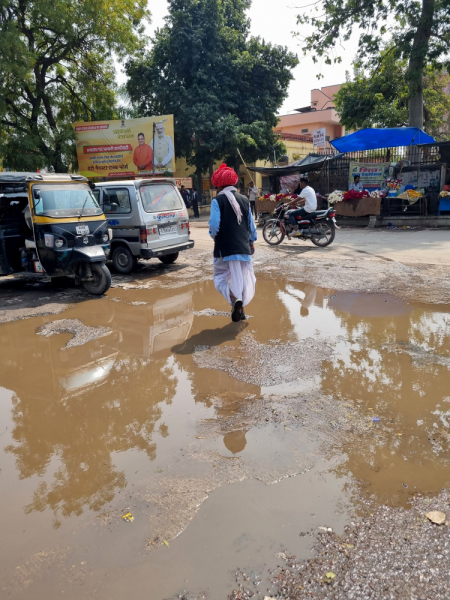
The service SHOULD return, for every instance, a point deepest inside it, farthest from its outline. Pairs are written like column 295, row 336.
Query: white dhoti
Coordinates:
column 235, row 276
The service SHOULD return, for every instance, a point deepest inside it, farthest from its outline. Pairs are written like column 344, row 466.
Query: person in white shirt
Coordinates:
column 253, row 194
column 307, row 202
column 357, row 184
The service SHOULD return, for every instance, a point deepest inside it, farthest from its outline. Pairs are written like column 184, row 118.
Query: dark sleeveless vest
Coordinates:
column 232, row 237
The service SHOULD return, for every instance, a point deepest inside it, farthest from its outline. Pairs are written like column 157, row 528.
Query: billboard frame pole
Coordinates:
column 153, row 146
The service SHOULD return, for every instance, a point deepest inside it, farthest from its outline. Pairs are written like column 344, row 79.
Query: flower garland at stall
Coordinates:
column 279, row 197
column 394, row 184
column 354, row 195
column 336, row 196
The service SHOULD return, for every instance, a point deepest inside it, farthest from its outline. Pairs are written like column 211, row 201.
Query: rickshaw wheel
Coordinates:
column 101, row 279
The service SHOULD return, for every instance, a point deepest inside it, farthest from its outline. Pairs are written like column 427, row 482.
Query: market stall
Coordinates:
column 290, row 175
column 385, row 186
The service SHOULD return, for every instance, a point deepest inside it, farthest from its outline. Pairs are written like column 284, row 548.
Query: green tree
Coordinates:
column 380, row 98
column 420, row 34
column 223, row 87
column 56, row 67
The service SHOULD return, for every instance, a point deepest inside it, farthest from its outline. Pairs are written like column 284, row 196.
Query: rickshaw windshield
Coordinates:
column 64, row 200
column 160, row 197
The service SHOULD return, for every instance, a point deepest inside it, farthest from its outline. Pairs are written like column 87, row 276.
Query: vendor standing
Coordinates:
column 357, row 184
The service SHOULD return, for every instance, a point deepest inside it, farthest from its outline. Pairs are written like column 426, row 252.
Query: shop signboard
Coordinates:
column 186, row 181
column 428, row 179
column 372, row 174
column 125, row 148
column 319, row 138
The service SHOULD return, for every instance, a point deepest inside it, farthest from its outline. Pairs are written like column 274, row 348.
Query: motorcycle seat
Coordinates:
column 312, row 215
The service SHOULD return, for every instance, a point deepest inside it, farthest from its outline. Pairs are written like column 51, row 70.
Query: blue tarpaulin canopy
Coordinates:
column 391, row 137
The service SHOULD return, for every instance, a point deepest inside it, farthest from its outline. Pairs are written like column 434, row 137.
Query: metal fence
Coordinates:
column 408, row 156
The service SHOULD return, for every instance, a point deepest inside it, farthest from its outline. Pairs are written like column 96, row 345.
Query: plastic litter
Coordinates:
column 128, row 517
column 375, row 419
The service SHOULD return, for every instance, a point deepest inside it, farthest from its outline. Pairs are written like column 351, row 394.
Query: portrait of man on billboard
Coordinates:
column 143, row 155
column 163, row 151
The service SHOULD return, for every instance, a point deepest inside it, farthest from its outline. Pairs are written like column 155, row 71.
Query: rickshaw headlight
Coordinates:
column 59, row 243
column 49, row 240
column 105, row 238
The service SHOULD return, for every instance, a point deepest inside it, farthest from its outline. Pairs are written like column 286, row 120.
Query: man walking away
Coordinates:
column 307, row 202
column 253, row 194
column 233, row 230
column 194, row 198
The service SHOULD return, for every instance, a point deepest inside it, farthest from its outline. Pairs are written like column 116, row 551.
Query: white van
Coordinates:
column 148, row 218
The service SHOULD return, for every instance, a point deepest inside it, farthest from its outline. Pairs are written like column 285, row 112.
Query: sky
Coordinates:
column 275, row 22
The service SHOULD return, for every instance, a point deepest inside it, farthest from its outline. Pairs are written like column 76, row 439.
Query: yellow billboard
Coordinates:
column 126, row 147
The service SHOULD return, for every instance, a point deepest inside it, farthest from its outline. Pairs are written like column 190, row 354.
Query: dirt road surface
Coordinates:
column 152, row 449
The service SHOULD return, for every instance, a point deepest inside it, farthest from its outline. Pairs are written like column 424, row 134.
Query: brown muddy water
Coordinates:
column 148, row 403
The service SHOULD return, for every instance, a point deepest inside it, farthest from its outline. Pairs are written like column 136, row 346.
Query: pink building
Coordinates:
column 320, row 113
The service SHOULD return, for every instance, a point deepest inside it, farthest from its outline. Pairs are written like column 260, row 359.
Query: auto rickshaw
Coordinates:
column 51, row 226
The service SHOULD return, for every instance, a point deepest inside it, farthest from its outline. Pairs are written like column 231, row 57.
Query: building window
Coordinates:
column 304, row 131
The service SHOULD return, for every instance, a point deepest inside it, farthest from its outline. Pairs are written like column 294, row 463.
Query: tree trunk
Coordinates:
column 211, row 168
column 199, row 183
column 237, row 165
column 414, row 74
column 198, row 172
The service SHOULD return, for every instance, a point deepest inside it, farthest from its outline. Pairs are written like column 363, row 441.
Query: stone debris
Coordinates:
column 389, row 553
column 211, row 312
column 262, row 364
column 436, row 516
column 82, row 333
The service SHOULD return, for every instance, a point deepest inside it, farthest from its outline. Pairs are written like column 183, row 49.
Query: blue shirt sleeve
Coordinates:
column 252, row 228
column 214, row 219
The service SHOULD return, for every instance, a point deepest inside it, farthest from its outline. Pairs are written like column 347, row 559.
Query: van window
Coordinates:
column 116, row 200
column 160, row 197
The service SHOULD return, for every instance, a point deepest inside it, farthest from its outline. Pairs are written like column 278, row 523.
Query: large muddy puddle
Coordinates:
column 226, row 443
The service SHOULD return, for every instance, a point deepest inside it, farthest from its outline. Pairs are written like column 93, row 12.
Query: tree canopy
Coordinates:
column 56, row 67
column 419, row 33
column 379, row 98
column 223, row 87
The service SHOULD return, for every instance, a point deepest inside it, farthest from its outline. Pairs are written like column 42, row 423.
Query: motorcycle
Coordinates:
column 318, row 226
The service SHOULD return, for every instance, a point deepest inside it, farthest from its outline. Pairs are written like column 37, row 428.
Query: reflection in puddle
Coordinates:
column 235, row 441
column 92, row 425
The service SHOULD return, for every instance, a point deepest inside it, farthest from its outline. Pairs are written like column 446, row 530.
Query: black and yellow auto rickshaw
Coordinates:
column 51, row 226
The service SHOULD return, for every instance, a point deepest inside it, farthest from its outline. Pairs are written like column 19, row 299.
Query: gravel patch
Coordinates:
column 7, row 316
column 265, row 365
column 391, row 553
column 82, row 333
column 211, row 312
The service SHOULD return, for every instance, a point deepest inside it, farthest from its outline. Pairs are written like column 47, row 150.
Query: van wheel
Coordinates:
column 101, row 279
column 168, row 259
column 123, row 260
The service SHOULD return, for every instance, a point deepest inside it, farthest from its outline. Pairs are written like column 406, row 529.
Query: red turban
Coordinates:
column 224, row 176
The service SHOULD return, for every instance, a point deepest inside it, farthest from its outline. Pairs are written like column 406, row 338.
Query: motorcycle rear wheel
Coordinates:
column 272, row 233
column 328, row 231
